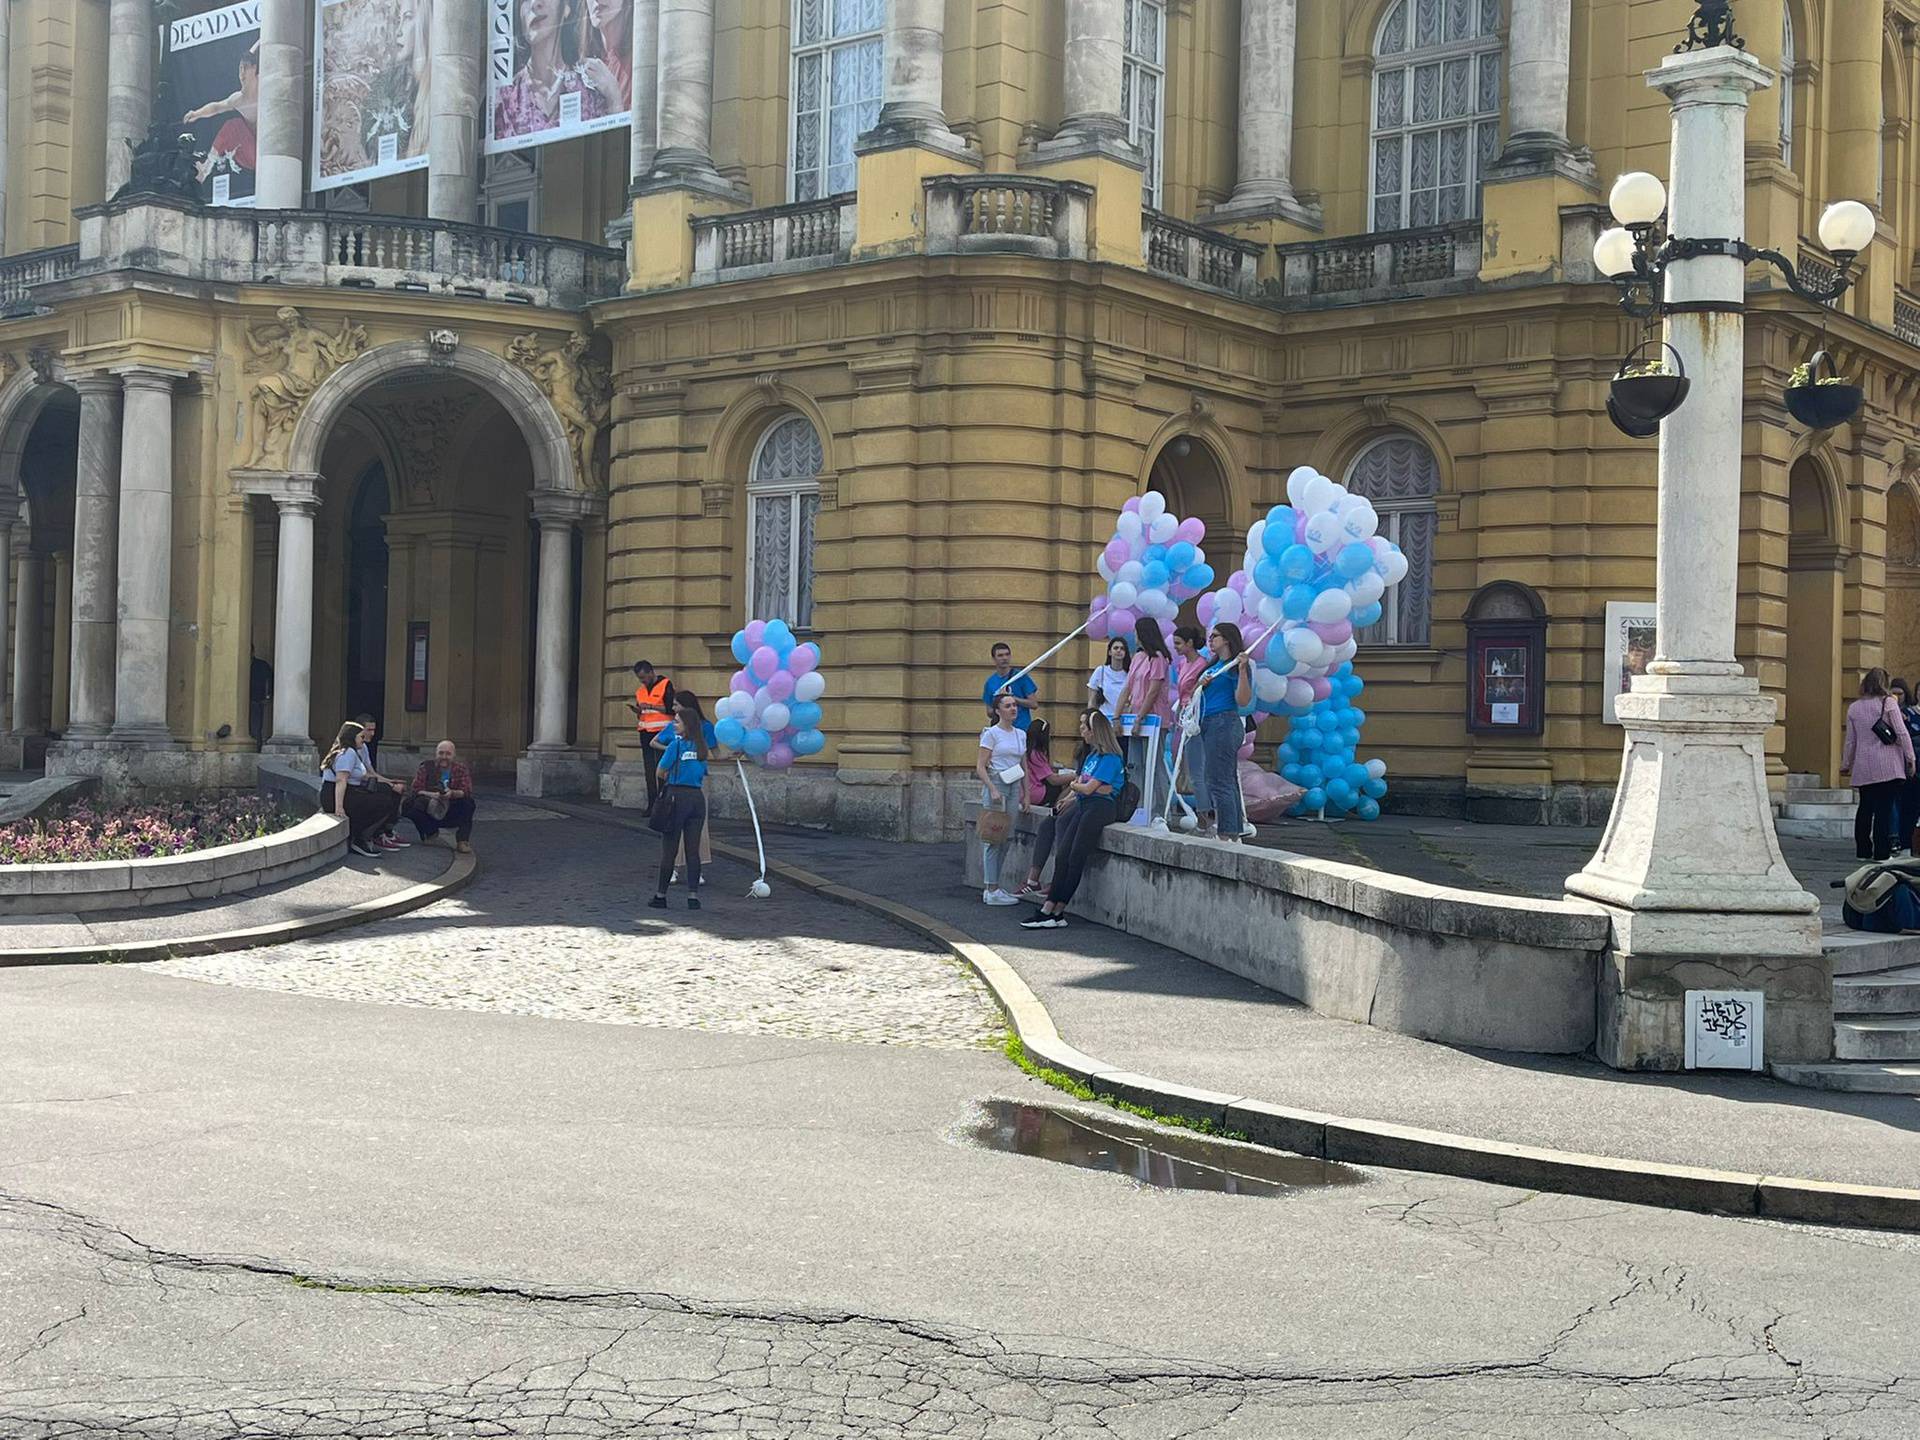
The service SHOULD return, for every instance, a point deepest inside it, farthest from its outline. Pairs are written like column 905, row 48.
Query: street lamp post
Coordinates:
column 1689, row 865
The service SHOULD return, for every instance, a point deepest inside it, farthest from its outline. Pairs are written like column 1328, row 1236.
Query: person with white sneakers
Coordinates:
column 1002, row 768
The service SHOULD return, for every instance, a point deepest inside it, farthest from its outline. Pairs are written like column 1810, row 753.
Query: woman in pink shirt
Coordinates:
column 1148, row 692
column 1879, row 768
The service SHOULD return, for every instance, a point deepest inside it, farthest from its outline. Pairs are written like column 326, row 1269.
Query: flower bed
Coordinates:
column 89, row 831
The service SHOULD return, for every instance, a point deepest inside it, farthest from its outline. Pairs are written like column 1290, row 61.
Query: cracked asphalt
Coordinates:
column 227, row 1211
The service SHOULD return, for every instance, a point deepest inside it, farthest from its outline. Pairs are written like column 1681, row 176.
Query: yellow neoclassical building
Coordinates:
column 475, row 350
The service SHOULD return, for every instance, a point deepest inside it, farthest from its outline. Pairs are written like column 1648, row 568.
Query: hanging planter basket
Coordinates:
column 1645, row 392
column 1632, row 429
column 1821, row 401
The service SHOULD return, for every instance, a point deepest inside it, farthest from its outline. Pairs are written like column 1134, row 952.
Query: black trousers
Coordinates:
column 1873, row 837
column 1043, row 843
column 1077, row 837
column 686, row 817
column 650, row 753
column 459, row 818
column 370, row 809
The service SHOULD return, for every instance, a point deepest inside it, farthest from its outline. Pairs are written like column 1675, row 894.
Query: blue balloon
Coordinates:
column 1374, row 788
column 1285, row 753
column 1368, row 809
column 1365, row 615
column 1153, row 552
column 1310, row 776
column 1296, row 601
column 1296, row 563
column 742, row 651
column 1154, row 575
column 1275, row 539
column 1359, row 715
column 1353, row 560
column 1309, row 741
column 1356, row 774
column 779, row 638
column 1199, row 577
column 808, row 742
column 1268, row 577
column 1181, row 554
column 1308, row 721
column 757, row 742
column 730, row 733
column 1339, row 791
column 805, row 715
column 1314, row 799
column 1290, row 772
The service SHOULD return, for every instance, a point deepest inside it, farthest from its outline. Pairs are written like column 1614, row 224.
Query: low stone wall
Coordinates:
column 1458, row 966
column 94, row 885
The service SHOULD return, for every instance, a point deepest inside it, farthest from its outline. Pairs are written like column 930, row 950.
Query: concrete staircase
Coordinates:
column 1876, row 1018
column 1812, row 812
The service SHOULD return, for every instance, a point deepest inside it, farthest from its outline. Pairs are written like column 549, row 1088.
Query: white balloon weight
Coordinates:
column 759, row 890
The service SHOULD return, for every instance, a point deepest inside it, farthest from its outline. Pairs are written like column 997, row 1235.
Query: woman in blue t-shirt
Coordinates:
column 1226, row 699
column 682, row 813
column 1093, row 804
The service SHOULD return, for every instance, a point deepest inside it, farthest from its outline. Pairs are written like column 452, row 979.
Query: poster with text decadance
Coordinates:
column 555, row 69
column 370, row 89
column 213, row 68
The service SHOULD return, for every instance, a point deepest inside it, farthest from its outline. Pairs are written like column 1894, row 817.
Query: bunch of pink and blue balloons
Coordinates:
column 1152, row 564
column 771, row 711
column 1319, row 754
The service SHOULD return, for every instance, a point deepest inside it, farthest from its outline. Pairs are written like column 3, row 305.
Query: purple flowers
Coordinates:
column 138, row 832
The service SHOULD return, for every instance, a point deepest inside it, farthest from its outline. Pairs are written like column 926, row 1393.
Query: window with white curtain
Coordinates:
column 783, row 502
column 836, row 90
column 1143, row 85
column 1436, row 110
column 1400, row 478
column 1789, row 62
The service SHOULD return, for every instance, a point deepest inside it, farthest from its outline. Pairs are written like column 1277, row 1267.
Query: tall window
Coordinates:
column 783, row 501
column 1436, row 110
column 1400, row 477
column 1789, row 62
column 836, row 90
column 1143, row 84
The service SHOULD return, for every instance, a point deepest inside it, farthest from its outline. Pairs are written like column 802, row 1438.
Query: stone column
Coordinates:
column 281, row 181
column 9, row 516
column 645, row 124
column 1539, row 69
column 1689, row 864
column 96, row 548
column 458, row 35
column 685, row 130
column 1096, row 40
column 62, row 640
column 28, row 717
column 1852, row 79
column 915, row 59
column 6, row 59
column 553, row 628
column 1269, row 31
column 297, row 500
column 130, row 37
column 146, row 557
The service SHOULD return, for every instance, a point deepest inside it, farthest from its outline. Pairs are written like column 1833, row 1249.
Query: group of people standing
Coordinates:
column 1136, row 692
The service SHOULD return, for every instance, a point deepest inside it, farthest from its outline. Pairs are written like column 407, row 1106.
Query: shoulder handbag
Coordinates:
column 1883, row 730
column 662, row 810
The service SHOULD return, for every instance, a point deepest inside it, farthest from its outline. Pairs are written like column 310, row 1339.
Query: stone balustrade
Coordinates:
column 1017, row 214
column 1197, row 255
column 1906, row 317
column 20, row 273
column 1369, row 266
column 772, row 241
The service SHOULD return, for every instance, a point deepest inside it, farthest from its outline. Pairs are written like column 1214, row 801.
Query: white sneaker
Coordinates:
column 1248, row 833
column 997, row 897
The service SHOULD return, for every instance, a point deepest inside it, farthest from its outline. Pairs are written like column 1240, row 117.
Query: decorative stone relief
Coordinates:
column 300, row 357
column 9, row 367
column 578, row 387
column 716, row 499
column 43, row 360
column 421, row 432
column 443, row 342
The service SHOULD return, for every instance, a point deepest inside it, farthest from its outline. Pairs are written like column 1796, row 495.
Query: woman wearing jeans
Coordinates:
column 683, row 771
column 1878, row 767
column 1003, row 752
column 1226, row 699
column 1092, row 805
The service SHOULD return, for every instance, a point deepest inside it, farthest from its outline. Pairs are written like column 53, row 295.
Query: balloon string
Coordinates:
column 1071, row 635
column 754, row 815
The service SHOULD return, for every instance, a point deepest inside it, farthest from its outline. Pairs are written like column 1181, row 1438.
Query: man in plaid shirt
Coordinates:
column 441, row 797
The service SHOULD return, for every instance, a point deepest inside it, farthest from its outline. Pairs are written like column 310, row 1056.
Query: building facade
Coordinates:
column 870, row 314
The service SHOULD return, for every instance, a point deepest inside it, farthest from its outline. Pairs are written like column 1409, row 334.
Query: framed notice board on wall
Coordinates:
column 1506, row 661
column 417, row 664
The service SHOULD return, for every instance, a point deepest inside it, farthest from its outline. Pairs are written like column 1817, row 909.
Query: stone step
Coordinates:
column 1819, row 810
column 1877, row 1037
column 1881, row 992
column 1857, row 952
column 1814, row 829
column 1823, row 797
column 1864, row 1079
column 1802, row 780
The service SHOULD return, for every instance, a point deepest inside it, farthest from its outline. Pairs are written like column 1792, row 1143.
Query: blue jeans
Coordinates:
column 1221, row 736
column 1000, row 795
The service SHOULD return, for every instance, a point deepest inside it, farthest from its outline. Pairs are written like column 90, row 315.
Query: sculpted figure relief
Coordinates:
column 300, row 356
column 576, row 384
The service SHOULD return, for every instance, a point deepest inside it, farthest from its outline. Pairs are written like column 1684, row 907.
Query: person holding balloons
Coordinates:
column 1189, row 664
column 683, row 802
column 1226, row 699
column 1145, row 696
column 1002, row 768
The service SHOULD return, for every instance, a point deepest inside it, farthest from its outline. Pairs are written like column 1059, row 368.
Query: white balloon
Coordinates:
column 1227, row 605
column 1299, row 693
column 1128, row 526
column 1161, row 531
column 1152, row 506
column 1302, row 644
column 1123, row 595
column 1297, row 482
column 1130, row 572
column 1106, row 570
column 1269, row 611
column 1322, row 493
column 1256, row 538
column 1396, row 571
column 1330, row 606
column 1367, row 588
column 1342, row 653
column 774, row 717
column 810, row 686
column 1376, row 768
column 1269, row 687
column 1323, row 533
column 1168, row 609
column 1359, row 522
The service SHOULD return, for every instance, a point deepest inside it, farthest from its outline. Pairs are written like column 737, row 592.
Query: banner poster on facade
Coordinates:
column 370, row 89
column 556, row 69
column 213, row 70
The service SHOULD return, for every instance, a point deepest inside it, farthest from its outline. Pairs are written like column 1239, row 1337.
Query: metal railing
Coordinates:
column 20, row 273
column 1197, row 255
column 804, row 236
column 1364, row 264
column 1007, row 214
column 1906, row 317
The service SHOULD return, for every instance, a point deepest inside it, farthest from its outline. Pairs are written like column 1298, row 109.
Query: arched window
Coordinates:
column 1436, row 110
column 1143, row 83
column 783, row 500
column 1789, row 62
column 1399, row 475
column 836, row 90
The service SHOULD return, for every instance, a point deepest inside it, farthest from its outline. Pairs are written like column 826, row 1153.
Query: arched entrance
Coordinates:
column 1187, row 470
column 366, row 596
column 39, row 448
column 1816, row 564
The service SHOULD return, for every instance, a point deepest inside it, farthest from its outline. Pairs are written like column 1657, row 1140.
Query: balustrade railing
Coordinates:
column 1198, row 255
column 20, row 273
column 1006, row 214
column 1361, row 264
column 1906, row 317
column 765, row 242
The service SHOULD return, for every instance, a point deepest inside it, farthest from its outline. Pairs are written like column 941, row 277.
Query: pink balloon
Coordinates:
column 1246, row 748
column 1118, row 552
column 764, row 662
column 1193, row 530
column 1238, row 582
column 756, row 631
column 780, row 756
column 1121, row 622
column 1334, row 632
column 1321, row 687
column 780, row 685
column 1097, row 626
column 1259, row 647
column 804, row 660
column 1205, row 610
column 741, row 684
column 1132, row 507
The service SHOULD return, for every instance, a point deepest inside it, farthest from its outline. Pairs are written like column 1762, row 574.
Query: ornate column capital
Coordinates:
column 287, row 490
column 565, row 507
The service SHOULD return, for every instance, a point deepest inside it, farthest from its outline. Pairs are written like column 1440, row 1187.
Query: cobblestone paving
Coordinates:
column 556, row 925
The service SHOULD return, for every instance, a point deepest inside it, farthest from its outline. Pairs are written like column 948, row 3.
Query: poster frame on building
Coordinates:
column 203, row 60
column 398, row 90
column 1630, row 644
column 1506, row 679
column 502, row 70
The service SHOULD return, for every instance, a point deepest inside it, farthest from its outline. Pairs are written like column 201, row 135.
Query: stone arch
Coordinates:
column 745, row 420
column 1815, row 491
column 1363, row 29
column 547, row 443
column 1341, row 443
column 1816, row 600
column 24, row 396
column 1199, row 423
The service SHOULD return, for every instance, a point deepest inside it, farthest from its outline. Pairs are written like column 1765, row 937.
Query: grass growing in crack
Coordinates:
column 1059, row 1080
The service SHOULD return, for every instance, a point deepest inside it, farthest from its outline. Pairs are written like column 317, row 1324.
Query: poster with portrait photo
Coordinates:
column 212, row 65
column 556, row 69
column 1629, row 648
column 371, row 83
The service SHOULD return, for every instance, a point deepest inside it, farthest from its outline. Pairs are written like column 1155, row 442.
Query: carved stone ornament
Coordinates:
column 9, row 367
column 43, row 360
column 443, row 342
column 300, row 357
column 422, row 432
column 578, row 387
column 1379, row 409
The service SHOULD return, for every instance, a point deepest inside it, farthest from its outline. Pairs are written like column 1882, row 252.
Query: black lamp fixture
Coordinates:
column 1712, row 24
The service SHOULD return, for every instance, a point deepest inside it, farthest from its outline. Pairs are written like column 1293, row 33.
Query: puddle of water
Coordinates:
column 1168, row 1161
